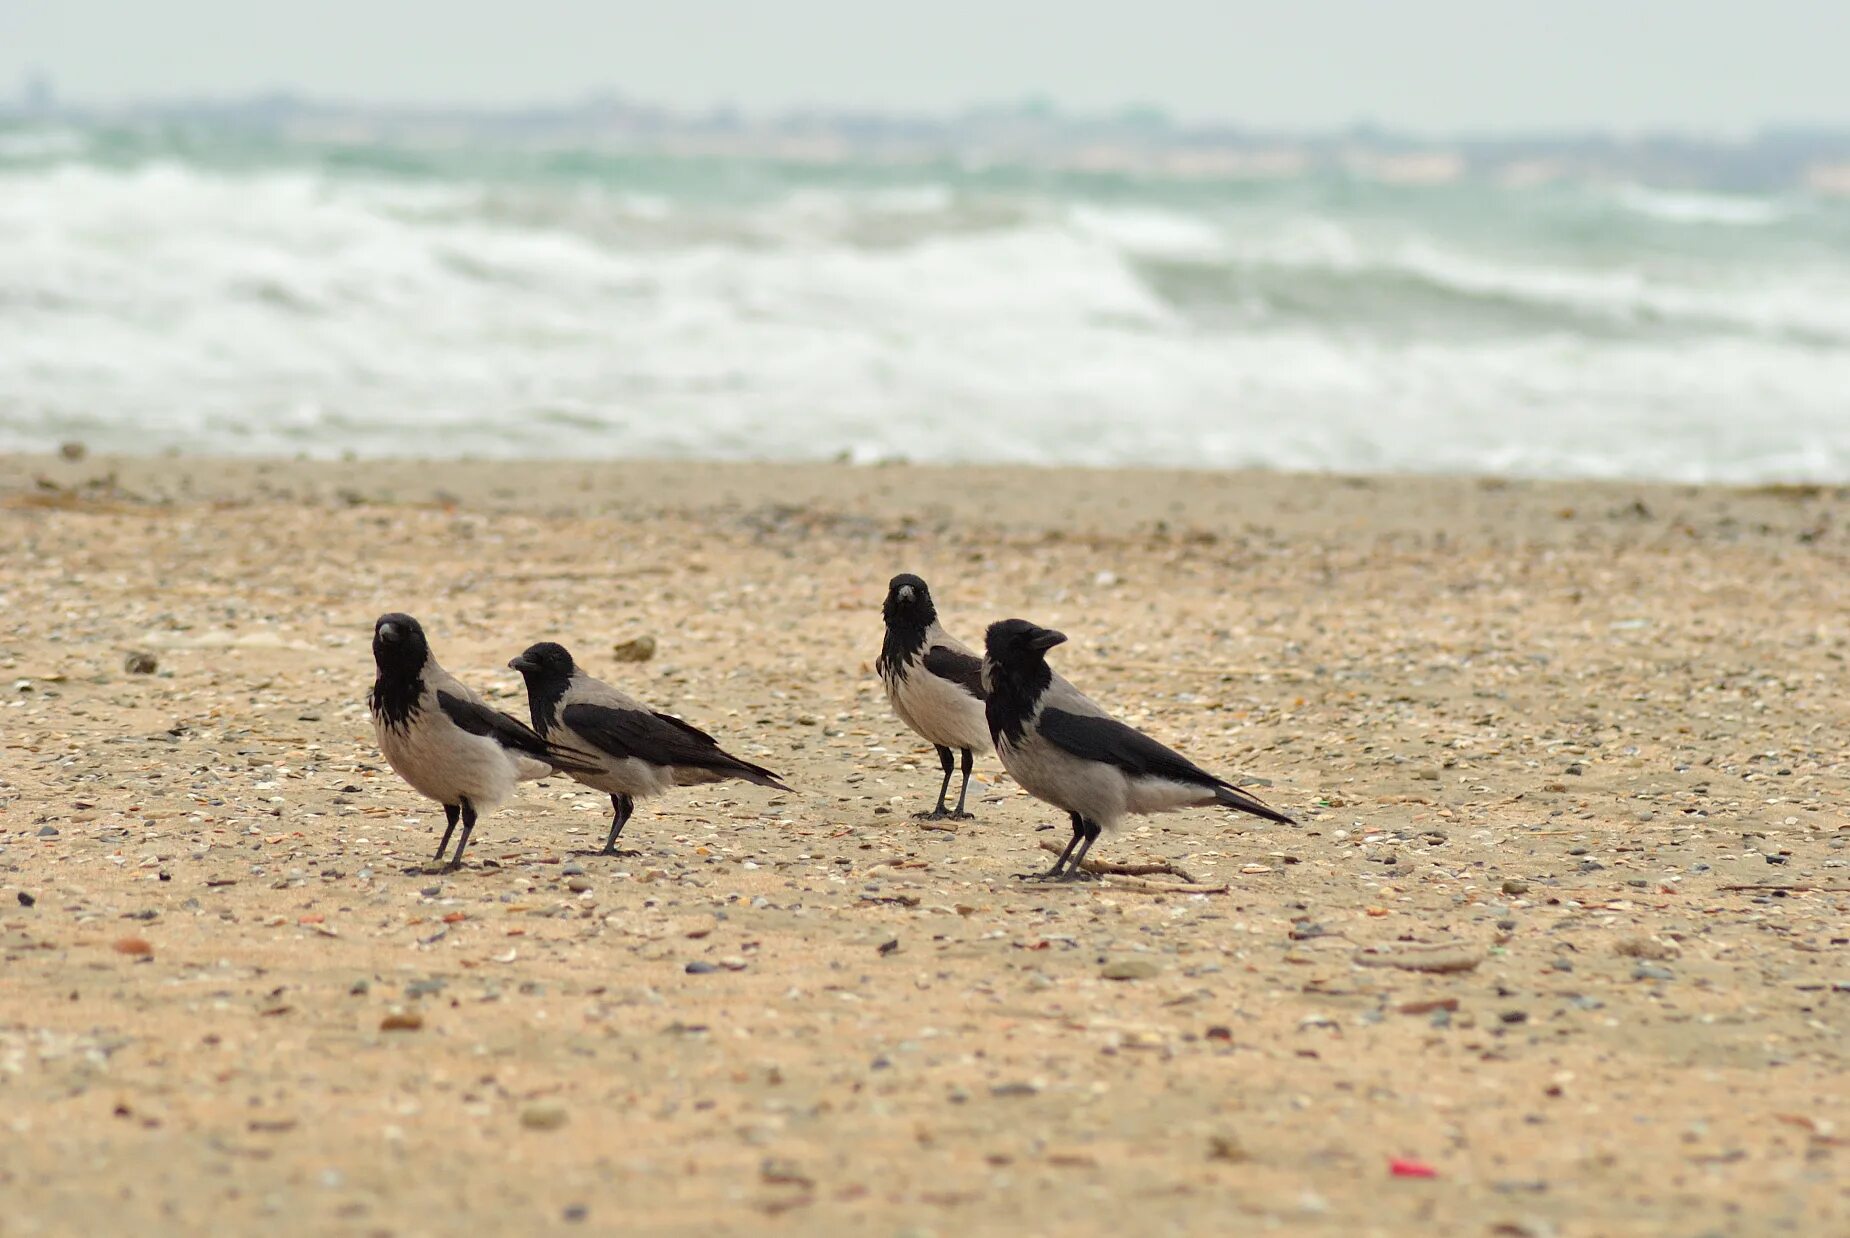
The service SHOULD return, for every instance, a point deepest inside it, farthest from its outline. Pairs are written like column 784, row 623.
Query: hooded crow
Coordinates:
column 445, row 740
column 1066, row 750
column 632, row 749
column 934, row 682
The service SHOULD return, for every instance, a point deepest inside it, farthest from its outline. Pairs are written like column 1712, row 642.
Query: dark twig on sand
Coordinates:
column 1106, row 868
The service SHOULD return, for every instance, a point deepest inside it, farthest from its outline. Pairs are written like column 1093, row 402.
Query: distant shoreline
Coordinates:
column 901, row 500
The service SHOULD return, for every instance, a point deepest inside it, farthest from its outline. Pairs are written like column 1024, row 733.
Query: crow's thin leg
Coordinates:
column 451, row 812
column 1053, row 874
column 964, row 791
column 938, row 813
column 1075, row 871
column 622, row 806
column 462, row 844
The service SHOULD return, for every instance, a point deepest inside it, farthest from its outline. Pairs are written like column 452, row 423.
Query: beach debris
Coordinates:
column 636, row 649
column 1407, row 1167
column 1420, row 956
column 1227, row 1148
column 1428, row 1005
column 73, row 450
column 544, row 1117
column 1129, row 969
column 401, row 1021
column 26, row 900
column 1654, row 949
column 1110, row 868
column 140, row 662
column 1018, row 1088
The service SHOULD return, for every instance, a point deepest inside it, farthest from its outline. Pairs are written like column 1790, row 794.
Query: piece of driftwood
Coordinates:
column 1142, row 885
column 1449, row 956
column 1110, row 868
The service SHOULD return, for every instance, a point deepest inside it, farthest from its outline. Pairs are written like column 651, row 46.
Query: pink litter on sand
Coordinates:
column 1403, row 1168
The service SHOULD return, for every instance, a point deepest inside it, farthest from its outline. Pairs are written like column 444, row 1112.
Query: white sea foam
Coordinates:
column 1704, row 208
column 296, row 307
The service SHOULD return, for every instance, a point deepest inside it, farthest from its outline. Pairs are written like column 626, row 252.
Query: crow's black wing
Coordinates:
column 1094, row 738
column 506, row 730
column 659, row 739
column 963, row 669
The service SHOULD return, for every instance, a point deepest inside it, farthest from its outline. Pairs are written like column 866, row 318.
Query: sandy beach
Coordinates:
column 1583, row 747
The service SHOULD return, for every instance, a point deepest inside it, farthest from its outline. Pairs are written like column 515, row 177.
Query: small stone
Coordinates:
column 1591, row 866
column 1428, row 1005
column 401, row 1021
column 26, row 900
column 1650, row 948
column 1651, row 971
column 360, row 987
column 48, row 831
column 140, row 662
column 1776, row 859
column 1513, row 886
column 1015, row 1089
column 431, row 891
column 1129, row 969
column 1513, row 1016
column 578, row 885
column 698, row 968
column 424, row 988
column 575, row 1214
column 1226, row 1148
column 544, row 1117
column 888, row 947
column 135, row 947
column 73, row 450
column 638, row 649
column 571, row 870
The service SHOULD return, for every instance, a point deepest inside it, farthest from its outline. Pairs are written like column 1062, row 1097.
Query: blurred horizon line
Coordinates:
column 1033, row 131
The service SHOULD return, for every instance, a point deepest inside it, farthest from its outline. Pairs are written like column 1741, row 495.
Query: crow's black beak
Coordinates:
column 1045, row 639
column 519, row 664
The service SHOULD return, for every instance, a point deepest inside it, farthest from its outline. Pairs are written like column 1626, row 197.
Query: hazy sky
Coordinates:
column 1433, row 64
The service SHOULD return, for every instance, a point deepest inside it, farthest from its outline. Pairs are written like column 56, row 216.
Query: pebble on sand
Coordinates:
column 544, row 1117
column 638, row 649
column 1129, row 969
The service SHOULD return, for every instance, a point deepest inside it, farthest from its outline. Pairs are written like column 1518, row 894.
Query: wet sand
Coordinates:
column 1585, row 744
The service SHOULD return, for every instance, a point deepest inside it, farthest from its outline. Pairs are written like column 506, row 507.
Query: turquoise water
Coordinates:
column 221, row 289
